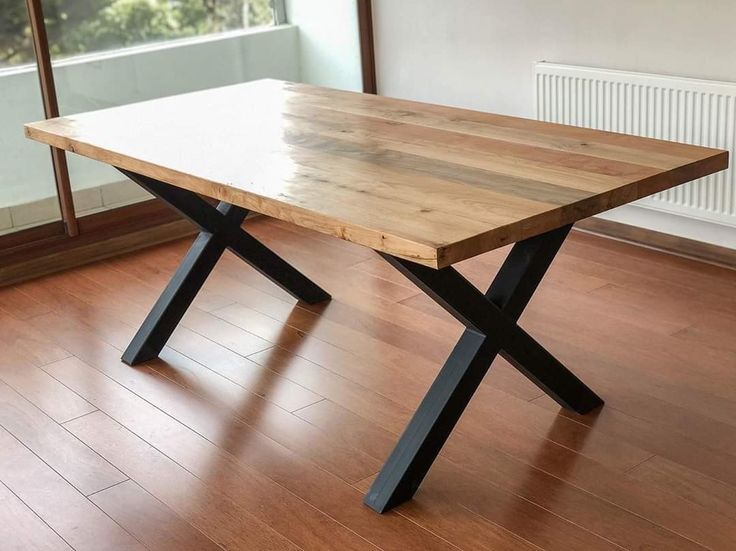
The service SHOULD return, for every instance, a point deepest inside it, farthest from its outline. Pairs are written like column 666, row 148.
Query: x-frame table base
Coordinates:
column 490, row 321
column 220, row 230
column 491, row 329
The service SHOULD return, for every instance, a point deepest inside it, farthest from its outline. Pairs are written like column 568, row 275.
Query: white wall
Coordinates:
column 480, row 54
column 329, row 43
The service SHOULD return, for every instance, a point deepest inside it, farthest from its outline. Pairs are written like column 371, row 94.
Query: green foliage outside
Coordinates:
column 81, row 26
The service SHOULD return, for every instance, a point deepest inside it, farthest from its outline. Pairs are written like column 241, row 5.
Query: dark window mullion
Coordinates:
column 51, row 110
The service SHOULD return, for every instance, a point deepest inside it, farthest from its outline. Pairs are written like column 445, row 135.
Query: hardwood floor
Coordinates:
column 264, row 421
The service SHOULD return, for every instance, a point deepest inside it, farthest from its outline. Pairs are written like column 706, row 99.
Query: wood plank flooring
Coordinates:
column 264, row 421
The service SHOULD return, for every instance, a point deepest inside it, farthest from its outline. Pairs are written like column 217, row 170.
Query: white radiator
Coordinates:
column 686, row 110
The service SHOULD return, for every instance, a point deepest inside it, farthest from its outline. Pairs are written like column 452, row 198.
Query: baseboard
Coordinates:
column 46, row 249
column 85, row 253
column 87, row 201
column 682, row 246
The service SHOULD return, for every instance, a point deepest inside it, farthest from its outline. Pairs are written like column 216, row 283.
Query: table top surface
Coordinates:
column 431, row 184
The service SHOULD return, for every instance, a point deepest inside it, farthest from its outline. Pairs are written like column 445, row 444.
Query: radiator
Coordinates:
column 685, row 110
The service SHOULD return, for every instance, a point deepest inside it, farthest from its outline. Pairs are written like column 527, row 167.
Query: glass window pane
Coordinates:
column 113, row 52
column 27, row 188
column 180, row 46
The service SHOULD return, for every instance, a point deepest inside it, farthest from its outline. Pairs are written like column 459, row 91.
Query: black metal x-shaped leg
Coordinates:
column 491, row 325
column 490, row 321
column 220, row 230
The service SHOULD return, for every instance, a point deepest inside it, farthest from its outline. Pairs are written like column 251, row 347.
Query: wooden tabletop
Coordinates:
column 432, row 184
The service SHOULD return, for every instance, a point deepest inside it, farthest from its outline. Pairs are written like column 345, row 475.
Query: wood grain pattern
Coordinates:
column 433, row 184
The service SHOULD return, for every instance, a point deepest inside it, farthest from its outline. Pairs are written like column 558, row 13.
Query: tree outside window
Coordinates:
column 83, row 26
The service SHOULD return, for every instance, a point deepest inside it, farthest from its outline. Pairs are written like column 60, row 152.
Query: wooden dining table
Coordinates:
column 425, row 186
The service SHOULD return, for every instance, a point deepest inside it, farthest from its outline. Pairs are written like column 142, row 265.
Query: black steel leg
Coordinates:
column 491, row 329
column 220, row 230
column 176, row 298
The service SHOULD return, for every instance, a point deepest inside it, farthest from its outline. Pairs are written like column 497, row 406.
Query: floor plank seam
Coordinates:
column 513, row 534
column 306, row 406
column 105, row 413
column 58, row 424
column 127, row 479
column 173, row 512
column 503, row 488
column 303, row 333
column 422, row 527
column 634, row 467
column 217, row 374
column 334, row 373
column 34, row 512
column 62, row 477
column 78, row 416
column 562, row 518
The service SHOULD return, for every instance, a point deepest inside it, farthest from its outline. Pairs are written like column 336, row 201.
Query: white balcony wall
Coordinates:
column 25, row 170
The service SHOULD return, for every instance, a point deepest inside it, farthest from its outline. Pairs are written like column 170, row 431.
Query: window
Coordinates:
column 76, row 31
column 83, row 26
